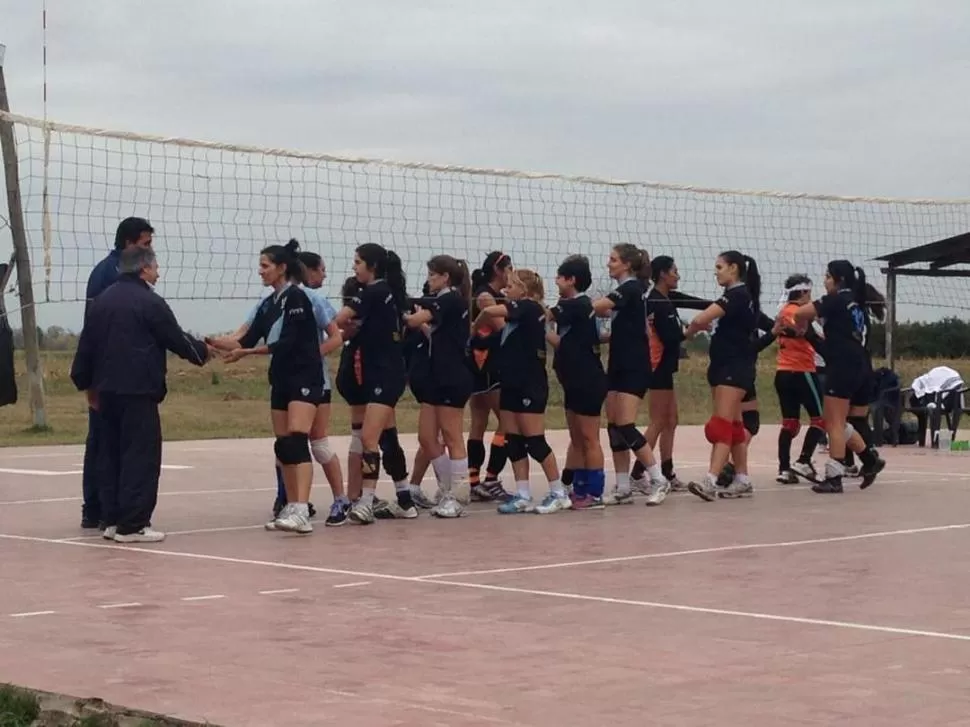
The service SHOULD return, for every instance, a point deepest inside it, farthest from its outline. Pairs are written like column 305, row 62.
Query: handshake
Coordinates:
column 226, row 348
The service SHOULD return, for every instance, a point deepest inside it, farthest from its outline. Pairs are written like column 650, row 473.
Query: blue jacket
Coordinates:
column 104, row 275
column 127, row 331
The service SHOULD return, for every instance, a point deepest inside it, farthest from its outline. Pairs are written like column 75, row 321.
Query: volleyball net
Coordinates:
column 215, row 205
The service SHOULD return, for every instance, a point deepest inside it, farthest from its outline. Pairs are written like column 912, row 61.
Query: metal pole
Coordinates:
column 891, row 316
column 25, row 284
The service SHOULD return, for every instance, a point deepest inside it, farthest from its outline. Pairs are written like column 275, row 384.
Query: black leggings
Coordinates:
column 798, row 390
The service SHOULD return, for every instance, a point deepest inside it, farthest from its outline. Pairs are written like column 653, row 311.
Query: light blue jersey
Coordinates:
column 323, row 312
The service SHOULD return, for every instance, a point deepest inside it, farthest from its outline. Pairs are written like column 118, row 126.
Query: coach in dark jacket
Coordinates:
column 131, row 232
column 121, row 364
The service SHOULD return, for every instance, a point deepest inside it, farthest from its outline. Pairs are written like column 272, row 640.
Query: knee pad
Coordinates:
column 719, row 430
column 751, row 420
column 738, row 433
column 370, row 465
column 396, row 464
column 538, row 448
column 389, row 440
column 321, row 450
column 356, row 446
column 516, row 447
column 632, row 437
column 849, row 431
column 818, row 423
column 792, row 426
column 617, row 443
column 293, row 449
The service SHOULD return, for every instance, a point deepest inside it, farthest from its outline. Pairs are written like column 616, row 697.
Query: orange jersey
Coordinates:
column 656, row 345
column 794, row 354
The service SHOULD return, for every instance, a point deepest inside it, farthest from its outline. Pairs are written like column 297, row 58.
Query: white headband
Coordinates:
column 794, row 289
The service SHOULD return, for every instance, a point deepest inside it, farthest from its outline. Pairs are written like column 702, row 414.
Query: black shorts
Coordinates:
column 349, row 388
column 586, row 401
column 662, row 380
column 452, row 396
column 738, row 374
column 853, row 382
column 383, row 387
column 630, row 381
column 527, row 400
column 798, row 390
column 484, row 381
column 280, row 397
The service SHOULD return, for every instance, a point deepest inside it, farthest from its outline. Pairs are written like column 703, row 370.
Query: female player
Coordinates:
column 378, row 365
column 628, row 371
column 443, row 318
column 846, row 315
column 666, row 332
column 488, row 282
column 733, row 360
column 797, row 384
column 578, row 366
column 524, row 387
column 296, row 378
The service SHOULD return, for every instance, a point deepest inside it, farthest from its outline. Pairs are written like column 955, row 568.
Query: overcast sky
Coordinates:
column 840, row 96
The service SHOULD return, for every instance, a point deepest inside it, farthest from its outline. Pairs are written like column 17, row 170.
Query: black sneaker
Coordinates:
column 727, row 475
column 870, row 471
column 312, row 509
column 829, row 486
column 338, row 514
column 88, row 523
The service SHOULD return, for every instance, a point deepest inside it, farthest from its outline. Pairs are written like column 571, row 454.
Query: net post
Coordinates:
column 891, row 316
column 28, row 313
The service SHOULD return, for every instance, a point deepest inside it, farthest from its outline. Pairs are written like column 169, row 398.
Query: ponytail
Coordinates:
column 637, row 258
column 493, row 263
column 394, row 275
column 465, row 285
column 752, row 279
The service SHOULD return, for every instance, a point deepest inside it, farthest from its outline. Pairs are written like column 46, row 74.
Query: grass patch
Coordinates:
column 231, row 401
column 18, row 707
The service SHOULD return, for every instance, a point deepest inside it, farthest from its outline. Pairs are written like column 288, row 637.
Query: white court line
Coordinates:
column 213, row 597
column 28, row 614
column 549, row 594
column 279, row 591
column 353, row 585
column 713, row 611
column 229, row 529
column 701, row 551
column 120, row 605
column 181, row 493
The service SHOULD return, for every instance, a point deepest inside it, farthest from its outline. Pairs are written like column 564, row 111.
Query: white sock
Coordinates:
column 416, row 489
column 622, row 481
column 442, row 470
column 656, row 474
column 402, row 486
column 523, row 490
column 302, row 508
column 459, row 469
column 557, row 489
column 743, row 479
column 834, row 468
column 367, row 496
column 711, row 479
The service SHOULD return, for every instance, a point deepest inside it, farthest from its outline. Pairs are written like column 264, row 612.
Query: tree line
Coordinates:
column 948, row 338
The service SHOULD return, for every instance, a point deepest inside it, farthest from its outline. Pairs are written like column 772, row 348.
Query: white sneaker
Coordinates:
column 361, row 514
column 736, row 489
column 657, row 492
column 109, row 532
column 295, row 522
column 640, row 485
column 553, row 502
column 390, row 510
column 272, row 524
column 448, row 507
column 806, row 470
column 145, row 535
column 618, row 498
column 462, row 491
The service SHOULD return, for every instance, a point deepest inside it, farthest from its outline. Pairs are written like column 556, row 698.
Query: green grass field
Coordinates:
column 231, row 400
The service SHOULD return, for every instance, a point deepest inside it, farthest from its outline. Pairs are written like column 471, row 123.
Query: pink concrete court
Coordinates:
column 786, row 609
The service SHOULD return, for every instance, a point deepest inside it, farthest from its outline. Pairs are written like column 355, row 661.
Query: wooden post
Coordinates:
column 891, row 317
column 25, row 284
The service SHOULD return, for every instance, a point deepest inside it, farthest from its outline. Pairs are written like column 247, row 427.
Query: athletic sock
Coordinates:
column 580, row 482
column 596, row 482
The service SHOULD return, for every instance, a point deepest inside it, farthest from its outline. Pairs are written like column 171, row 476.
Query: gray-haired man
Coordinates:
column 121, row 364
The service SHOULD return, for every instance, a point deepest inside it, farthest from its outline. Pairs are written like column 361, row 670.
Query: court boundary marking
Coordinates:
column 564, row 595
